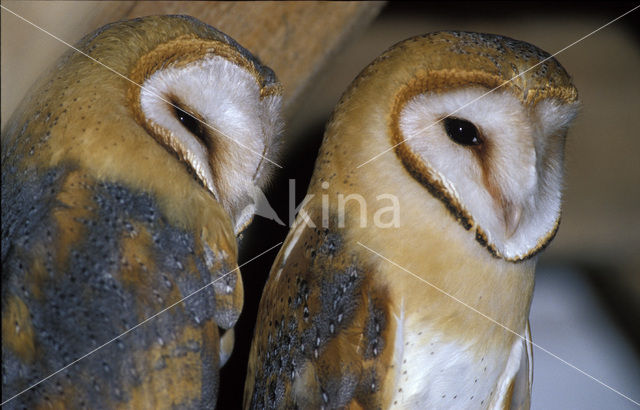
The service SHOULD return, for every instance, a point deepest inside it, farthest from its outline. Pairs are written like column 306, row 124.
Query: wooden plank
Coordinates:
column 296, row 39
column 28, row 51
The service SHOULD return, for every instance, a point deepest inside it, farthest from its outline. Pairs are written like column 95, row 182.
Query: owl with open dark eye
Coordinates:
column 407, row 278
column 127, row 172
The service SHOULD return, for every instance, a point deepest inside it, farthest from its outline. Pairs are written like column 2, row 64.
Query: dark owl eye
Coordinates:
column 461, row 131
column 191, row 123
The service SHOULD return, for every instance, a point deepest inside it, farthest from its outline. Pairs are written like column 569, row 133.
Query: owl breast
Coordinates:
column 436, row 373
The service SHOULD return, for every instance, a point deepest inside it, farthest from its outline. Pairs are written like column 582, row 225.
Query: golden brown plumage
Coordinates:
column 108, row 219
column 343, row 322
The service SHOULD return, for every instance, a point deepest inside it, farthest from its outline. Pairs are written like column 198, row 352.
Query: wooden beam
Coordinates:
column 295, row 39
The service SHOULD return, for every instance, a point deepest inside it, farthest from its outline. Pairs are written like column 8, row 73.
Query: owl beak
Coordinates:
column 227, row 340
column 512, row 217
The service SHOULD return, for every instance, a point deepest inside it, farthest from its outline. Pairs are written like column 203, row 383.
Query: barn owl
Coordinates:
column 406, row 280
column 126, row 177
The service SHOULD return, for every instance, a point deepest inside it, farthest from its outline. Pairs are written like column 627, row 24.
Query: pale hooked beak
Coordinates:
column 226, row 346
column 512, row 217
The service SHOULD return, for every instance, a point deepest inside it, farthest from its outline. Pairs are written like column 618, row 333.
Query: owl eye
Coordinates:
column 191, row 123
column 461, row 131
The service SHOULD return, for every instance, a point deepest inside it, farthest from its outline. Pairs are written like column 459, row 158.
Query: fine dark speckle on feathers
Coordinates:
column 329, row 303
column 90, row 299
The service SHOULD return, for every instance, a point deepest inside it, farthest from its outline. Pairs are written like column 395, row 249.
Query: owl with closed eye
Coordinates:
column 407, row 277
column 127, row 173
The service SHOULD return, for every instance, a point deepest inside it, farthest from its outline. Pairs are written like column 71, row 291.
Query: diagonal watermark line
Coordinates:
column 502, row 85
column 497, row 323
column 139, row 85
column 139, row 324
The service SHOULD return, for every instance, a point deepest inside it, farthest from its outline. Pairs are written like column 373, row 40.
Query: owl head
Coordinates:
column 160, row 97
column 217, row 108
column 478, row 121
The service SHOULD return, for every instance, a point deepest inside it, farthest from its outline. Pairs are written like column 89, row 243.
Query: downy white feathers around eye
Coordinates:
column 511, row 183
column 240, row 124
